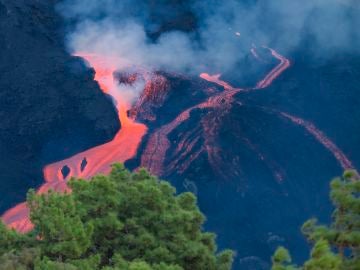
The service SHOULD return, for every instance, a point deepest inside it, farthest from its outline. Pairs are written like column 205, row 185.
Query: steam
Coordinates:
column 221, row 36
column 128, row 92
column 128, row 45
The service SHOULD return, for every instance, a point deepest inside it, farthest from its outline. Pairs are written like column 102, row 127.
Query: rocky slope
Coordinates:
column 259, row 161
column 50, row 107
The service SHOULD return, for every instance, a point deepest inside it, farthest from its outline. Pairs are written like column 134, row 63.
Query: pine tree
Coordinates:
column 336, row 247
column 124, row 221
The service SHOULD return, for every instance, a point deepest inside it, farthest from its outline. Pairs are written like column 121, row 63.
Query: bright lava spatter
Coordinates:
column 125, row 143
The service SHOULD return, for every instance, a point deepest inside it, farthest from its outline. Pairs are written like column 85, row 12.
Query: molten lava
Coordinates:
column 125, row 143
column 323, row 139
column 216, row 79
column 276, row 72
column 264, row 83
column 98, row 159
column 155, row 152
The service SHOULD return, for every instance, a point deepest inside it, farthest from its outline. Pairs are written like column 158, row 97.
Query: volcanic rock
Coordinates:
column 50, row 105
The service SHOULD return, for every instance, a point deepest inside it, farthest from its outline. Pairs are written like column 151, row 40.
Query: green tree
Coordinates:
column 336, row 247
column 123, row 221
column 58, row 225
column 282, row 260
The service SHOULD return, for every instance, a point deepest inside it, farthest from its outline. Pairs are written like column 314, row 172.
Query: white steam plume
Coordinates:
column 119, row 29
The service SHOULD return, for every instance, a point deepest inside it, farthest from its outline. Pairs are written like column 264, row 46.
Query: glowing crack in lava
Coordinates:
column 95, row 160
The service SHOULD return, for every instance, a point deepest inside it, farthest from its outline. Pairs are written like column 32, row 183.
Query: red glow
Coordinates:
column 154, row 154
column 216, row 79
column 323, row 139
column 121, row 148
column 264, row 83
column 125, row 143
column 276, row 72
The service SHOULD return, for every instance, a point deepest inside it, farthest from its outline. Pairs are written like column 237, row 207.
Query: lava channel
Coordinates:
column 98, row 159
column 156, row 149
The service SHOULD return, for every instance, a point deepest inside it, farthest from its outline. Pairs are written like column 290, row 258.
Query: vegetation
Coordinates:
column 336, row 247
column 124, row 221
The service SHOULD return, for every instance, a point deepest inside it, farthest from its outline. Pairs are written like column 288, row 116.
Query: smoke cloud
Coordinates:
column 129, row 93
column 193, row 36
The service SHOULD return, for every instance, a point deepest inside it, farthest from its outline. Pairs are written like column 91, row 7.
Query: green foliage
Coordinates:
column 47, row 264
column 323, row 258
column 124, row 221
column 21, row 259
column 336, row 247
column 59, row 227
column 282, row 260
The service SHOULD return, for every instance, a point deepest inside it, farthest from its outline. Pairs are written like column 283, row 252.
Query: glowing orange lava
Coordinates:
column 264, row 83
column 98, row 159
column 125, row 143
column 155, row 152
column 323, row 139
column 216, row 79
column 276, row 72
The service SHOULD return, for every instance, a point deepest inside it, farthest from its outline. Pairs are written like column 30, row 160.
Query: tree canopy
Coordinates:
column 336, row 247
column 123, row 221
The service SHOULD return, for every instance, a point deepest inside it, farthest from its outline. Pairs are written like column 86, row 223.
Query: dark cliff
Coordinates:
column 50, row 107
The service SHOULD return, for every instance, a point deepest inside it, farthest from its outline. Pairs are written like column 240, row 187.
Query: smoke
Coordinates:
column 129, row 43
column 195, row 36
column 328, row 25
column 129, row 93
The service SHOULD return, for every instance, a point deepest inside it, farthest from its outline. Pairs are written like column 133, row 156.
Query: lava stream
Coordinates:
column 216, row 79
column 276, row 72
column 264, row 83
column 323, row 139
column 154, row 154
column 125, row 143
column 98, row 159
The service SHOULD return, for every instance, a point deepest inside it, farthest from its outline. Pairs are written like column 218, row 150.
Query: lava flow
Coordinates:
column 156, row 149
column 154, row 154
column 323, row 139
column 276, row 72
column 264, row 83
column 95, row 160
column 125, row 143
column 216, row 79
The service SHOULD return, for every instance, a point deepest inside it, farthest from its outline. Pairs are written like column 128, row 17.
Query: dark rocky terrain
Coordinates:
column 261, row 176
column 258, row 176
column 50, row 107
